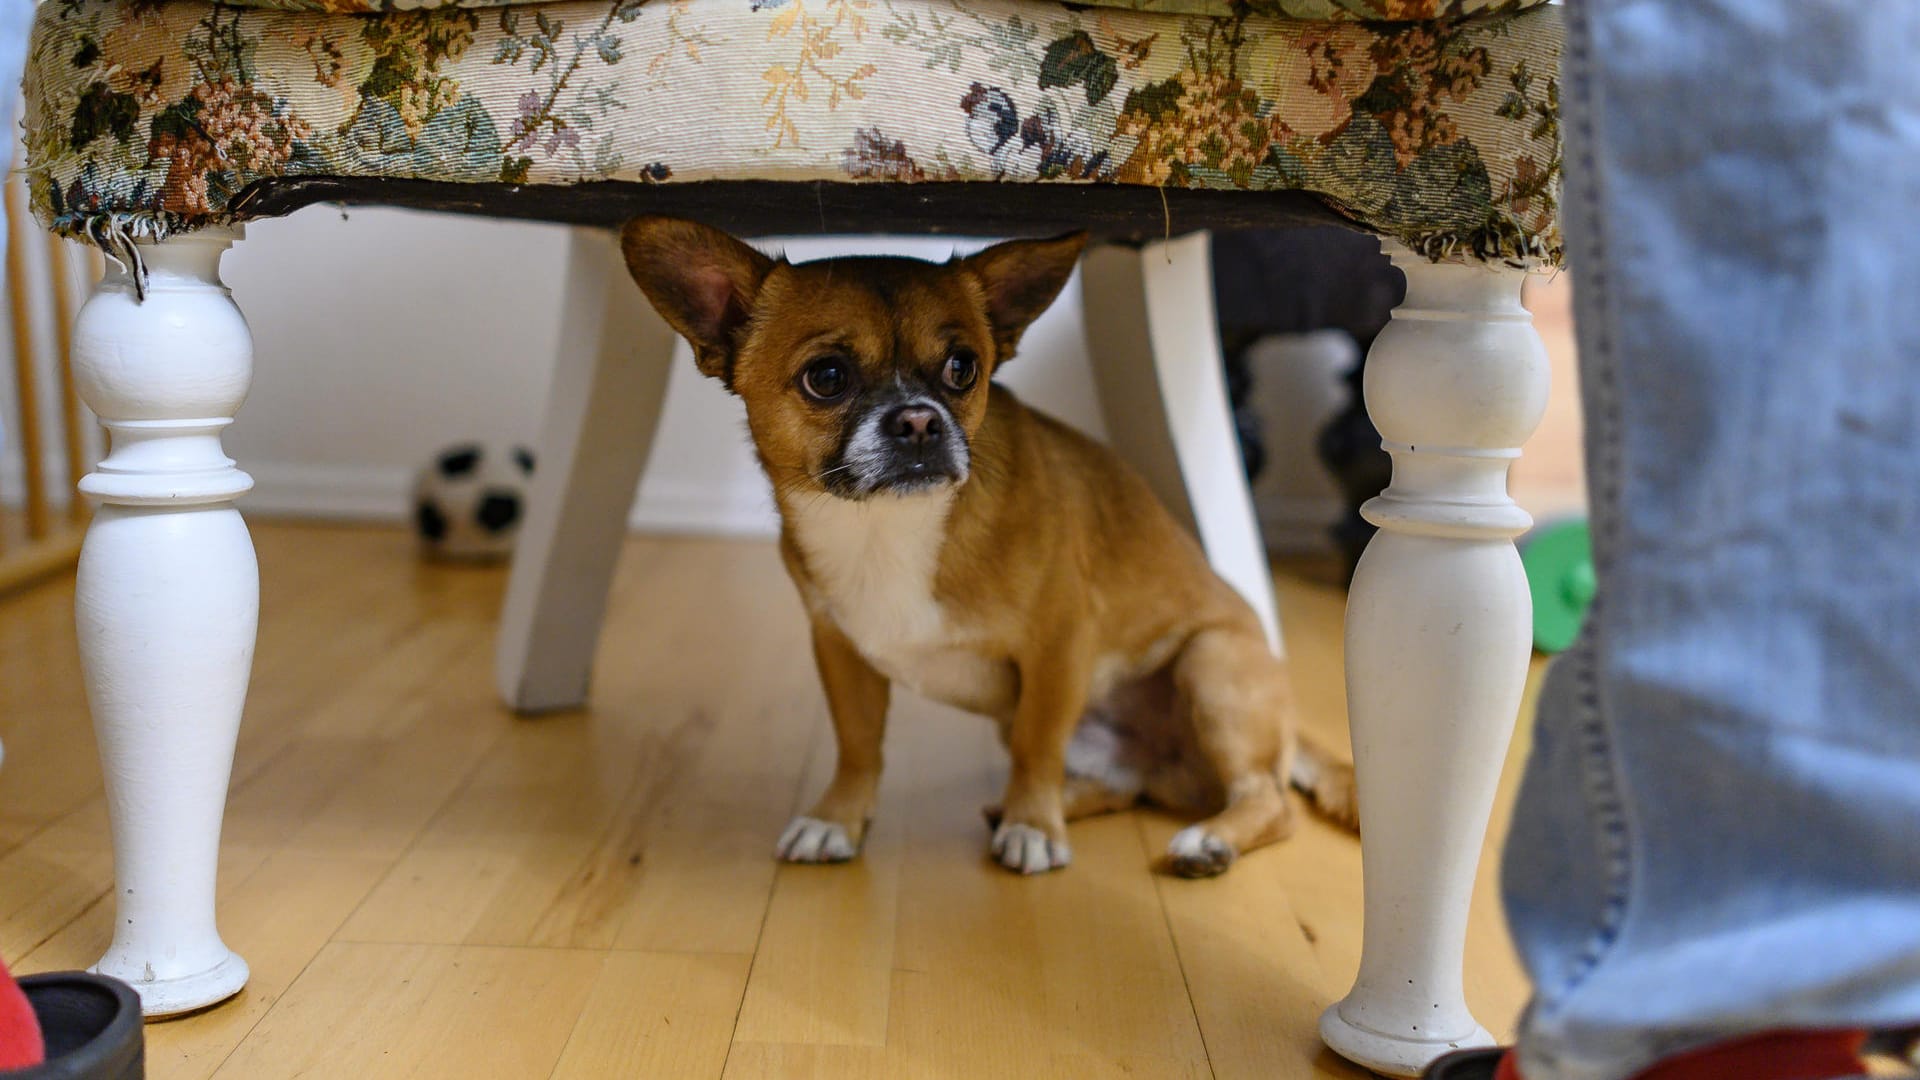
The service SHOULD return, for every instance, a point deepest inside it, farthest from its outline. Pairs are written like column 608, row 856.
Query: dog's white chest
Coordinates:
column 873, row 564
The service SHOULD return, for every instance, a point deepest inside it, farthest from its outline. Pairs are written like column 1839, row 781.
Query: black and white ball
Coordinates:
column 469, row 501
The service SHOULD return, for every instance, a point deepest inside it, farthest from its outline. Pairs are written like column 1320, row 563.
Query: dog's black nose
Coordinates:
column 914, row 425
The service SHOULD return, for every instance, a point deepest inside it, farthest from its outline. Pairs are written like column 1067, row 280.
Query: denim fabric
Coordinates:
column 1719, row 828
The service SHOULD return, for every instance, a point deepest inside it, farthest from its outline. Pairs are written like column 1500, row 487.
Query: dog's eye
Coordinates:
column 826, row 380
column 961, row 370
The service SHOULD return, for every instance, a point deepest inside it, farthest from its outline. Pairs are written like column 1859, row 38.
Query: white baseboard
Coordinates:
column 383, row 493
column 1298, row 524
column 686, row 508
column 341, row 492
column 1290, row 524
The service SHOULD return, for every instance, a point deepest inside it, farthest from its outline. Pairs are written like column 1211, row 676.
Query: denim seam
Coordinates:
column 1603, row 785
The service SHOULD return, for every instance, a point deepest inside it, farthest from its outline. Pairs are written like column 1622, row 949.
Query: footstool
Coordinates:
column 157, row 128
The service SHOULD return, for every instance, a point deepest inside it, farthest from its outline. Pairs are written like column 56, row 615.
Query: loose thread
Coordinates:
column 116, row 242
column 1166, row 220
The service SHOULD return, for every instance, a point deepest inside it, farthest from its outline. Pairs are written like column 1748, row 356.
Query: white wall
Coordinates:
column 380, row 336
column 383, row 335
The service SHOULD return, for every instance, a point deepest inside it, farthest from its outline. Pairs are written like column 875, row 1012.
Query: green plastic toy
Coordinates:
column 1559, row 562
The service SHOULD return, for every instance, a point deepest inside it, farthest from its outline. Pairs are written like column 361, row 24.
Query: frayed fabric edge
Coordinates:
column 1500, row 239
column 118, row 236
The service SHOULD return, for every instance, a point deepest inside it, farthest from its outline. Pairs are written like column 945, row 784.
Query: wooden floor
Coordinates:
column 426, row 886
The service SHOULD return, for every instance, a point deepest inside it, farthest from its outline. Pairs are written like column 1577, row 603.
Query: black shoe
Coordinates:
column 1466, row 1065
column 91, row 1024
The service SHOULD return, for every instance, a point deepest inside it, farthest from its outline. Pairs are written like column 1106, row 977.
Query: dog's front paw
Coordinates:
column 811, row 840
column 1026, row 850
column 1196, row 853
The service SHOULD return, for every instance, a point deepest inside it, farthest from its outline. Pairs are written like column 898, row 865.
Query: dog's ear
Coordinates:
column 702, row 281
column 1020, row 278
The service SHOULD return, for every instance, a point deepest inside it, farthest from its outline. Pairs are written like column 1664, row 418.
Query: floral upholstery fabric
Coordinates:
column 1316, row 10
column 155, row 117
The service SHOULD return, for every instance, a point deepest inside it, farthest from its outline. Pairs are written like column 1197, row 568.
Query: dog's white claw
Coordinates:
column 810, row 840
column 1026, row 850
column 1195, row 852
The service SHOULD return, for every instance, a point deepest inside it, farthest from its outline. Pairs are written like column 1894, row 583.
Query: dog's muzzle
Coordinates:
column 899, row 447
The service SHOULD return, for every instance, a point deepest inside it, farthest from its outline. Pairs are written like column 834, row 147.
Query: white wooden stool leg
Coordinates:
column 1438, row 636
column 609, row 387
column 1155, row 347
column 166, row 604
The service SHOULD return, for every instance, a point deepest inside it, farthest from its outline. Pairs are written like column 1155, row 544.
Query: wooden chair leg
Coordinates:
column 1438, row 636
column 608, row 390
column 1156, row 362
column 167, row 601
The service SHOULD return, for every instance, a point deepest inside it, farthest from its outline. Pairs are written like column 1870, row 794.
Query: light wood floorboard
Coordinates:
column 426, row 886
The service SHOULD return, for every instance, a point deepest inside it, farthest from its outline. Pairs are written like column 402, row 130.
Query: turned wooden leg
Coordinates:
column 166, row 605
column 609, row 387
column 1155, row 348
column 1438, row 635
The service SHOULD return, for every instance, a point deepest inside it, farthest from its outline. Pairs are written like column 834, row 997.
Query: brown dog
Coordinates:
column 948, row 538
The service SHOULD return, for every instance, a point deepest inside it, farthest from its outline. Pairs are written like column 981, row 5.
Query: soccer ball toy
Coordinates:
column 468, row 501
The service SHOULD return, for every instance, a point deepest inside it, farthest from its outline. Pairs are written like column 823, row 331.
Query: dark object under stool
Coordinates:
column 1466, row 1065
column 92, row 1027
column 1295, row 281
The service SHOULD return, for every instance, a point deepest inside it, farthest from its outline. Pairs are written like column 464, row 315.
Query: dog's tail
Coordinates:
column 1327, row 782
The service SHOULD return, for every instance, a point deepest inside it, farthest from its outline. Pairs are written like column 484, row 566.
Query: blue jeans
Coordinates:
column 1719, row 828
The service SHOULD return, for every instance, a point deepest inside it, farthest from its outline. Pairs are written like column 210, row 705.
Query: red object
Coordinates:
column 1772, row 1055
column 20, row 1042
